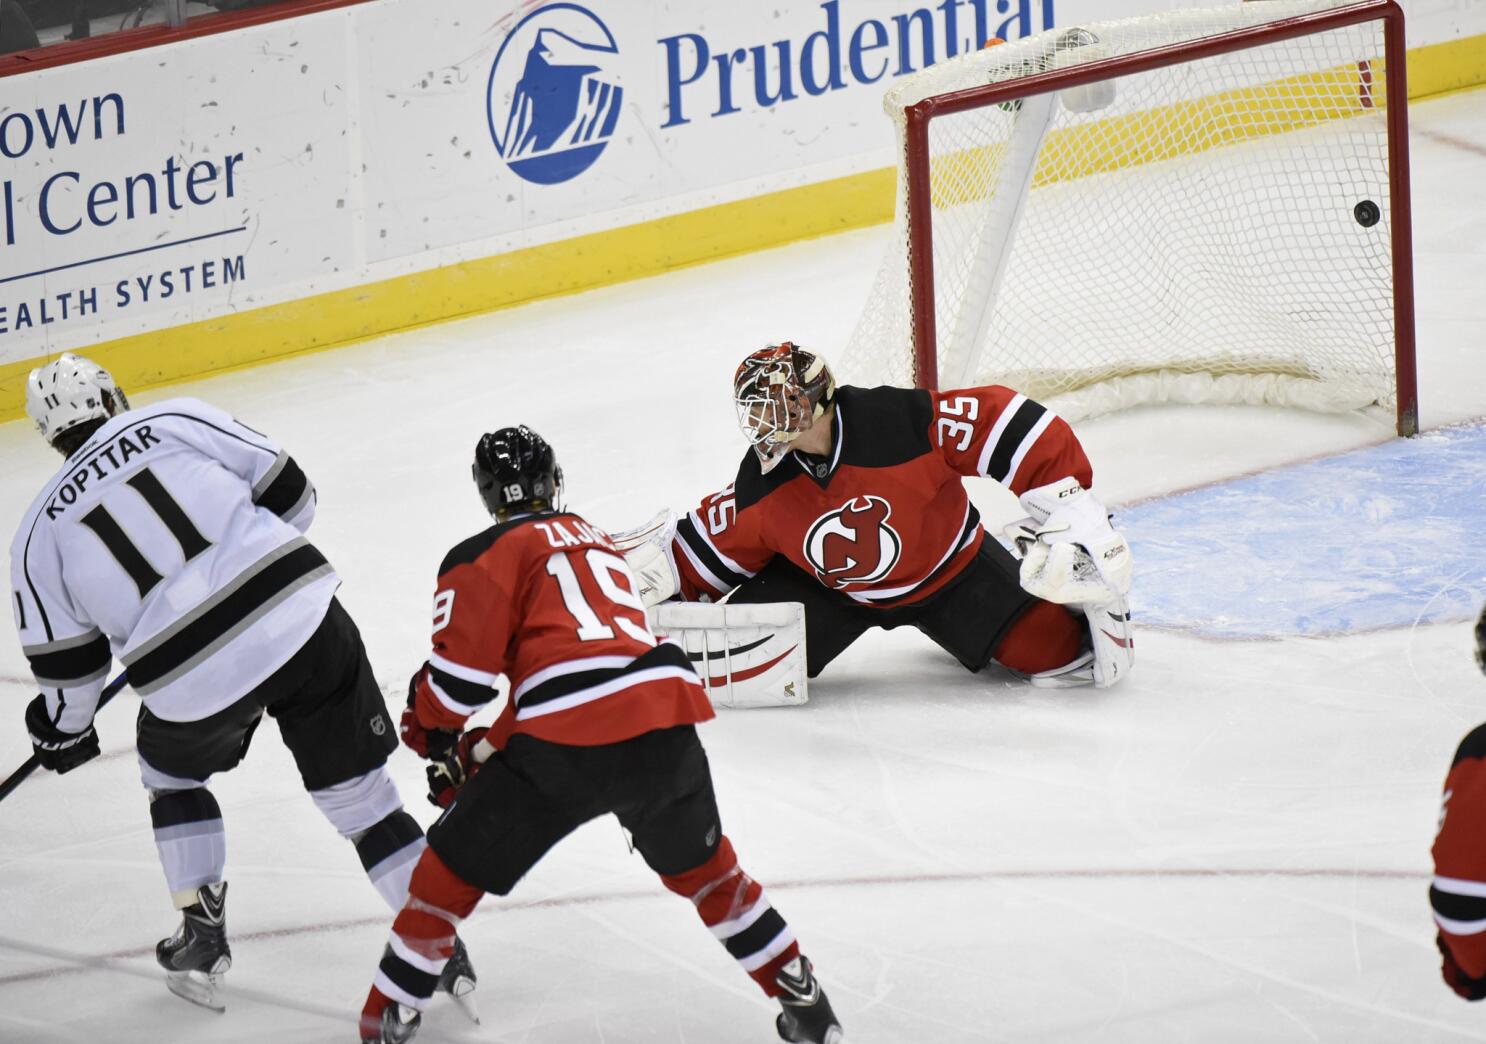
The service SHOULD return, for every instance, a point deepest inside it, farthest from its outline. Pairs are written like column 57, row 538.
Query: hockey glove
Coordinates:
column 1070, row 552
column 57, row 750
column 445, row 777
column 425, row 742
column 1455, row 976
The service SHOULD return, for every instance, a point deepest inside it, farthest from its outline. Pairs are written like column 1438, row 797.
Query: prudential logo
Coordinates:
column 553, row 97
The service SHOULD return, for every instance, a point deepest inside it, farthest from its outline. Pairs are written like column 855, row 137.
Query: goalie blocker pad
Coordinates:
column 747, row 655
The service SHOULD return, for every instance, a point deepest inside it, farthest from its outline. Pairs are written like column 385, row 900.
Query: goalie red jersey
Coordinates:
column 1458, row 894
column 545, row 600
column 885, row 520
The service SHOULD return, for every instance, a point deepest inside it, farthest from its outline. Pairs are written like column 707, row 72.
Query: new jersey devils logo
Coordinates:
column 853, row 544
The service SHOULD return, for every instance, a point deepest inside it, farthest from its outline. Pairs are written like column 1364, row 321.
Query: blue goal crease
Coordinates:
column 1376, row 538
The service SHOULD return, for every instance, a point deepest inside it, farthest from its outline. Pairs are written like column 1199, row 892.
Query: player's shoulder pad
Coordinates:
column 884, row 426
column 471, row 548
column 1473, row 746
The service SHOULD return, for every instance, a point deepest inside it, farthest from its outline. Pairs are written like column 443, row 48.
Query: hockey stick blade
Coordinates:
column 29, row 766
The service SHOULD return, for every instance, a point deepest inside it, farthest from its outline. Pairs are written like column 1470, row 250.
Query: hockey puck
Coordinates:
column 1367, row 213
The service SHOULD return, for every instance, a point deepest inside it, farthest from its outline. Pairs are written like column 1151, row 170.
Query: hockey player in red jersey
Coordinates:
column 1458, row 893
column 601, row 718
column 852, row 502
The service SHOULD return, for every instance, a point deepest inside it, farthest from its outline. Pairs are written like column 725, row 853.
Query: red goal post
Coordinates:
column 1194, row 206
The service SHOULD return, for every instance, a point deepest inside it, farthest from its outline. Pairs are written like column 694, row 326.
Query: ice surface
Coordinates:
column 1382, row 537
column 1231, row 847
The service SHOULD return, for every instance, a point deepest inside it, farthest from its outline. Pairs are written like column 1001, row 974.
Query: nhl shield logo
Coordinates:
column 853, row 544
column 554, row 96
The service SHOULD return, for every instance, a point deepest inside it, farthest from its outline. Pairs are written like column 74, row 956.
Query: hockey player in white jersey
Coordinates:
column 173, row 540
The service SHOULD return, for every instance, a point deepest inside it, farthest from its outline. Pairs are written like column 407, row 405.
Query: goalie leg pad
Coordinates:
column 1113, row 640
column 1109, row 657
column 749, row 655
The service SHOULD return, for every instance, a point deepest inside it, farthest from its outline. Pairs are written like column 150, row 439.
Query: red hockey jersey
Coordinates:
column 545, row 600
column 1458, row 893
column 885, row 520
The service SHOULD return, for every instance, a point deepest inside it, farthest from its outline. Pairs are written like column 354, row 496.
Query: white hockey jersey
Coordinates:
column 172, row 540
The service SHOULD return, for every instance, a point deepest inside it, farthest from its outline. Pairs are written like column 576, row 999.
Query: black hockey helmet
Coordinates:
column 516, row 471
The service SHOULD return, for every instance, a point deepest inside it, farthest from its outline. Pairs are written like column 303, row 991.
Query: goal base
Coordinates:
column 1195, row 389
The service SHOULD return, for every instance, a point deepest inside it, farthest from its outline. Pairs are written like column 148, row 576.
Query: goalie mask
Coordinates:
column 779, row 393
column 68, row 391
column 516, row 472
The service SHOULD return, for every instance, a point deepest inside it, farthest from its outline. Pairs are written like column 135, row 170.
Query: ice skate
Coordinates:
column 458, row 980
column 195, row 957
column 398, row 1025
column 807, row 1017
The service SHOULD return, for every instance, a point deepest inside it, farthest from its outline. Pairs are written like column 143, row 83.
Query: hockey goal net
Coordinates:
column 1197, row 206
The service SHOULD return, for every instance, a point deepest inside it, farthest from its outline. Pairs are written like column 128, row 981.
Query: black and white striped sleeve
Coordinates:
column 286, row 491
column 459, row 689
column 703, row 566
column 69, row 656
column 1002, row 434
column 1015, row 432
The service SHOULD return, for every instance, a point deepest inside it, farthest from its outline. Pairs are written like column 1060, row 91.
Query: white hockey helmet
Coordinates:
column 68, row 391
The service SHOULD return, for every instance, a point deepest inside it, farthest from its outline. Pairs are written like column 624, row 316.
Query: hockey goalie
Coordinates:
column 851, row 504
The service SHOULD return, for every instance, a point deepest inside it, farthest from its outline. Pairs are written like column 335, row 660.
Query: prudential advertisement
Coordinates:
column 277, row 162
column 565, row 117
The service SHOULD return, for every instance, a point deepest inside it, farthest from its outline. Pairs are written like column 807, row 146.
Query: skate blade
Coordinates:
column 197, row 987
column 463, row 995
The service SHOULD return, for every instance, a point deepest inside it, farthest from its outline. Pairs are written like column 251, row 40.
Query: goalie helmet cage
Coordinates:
column 1208, row 205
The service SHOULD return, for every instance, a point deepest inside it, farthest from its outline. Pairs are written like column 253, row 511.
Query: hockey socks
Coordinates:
column 389, row 851
column 733, row 906
column 191, row 840
column 422, row 940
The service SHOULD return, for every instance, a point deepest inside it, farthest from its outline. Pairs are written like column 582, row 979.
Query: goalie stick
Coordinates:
column 28, row 766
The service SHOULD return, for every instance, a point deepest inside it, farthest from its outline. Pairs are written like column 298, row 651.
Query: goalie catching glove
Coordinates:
column 647, row 552
column 1070, row 552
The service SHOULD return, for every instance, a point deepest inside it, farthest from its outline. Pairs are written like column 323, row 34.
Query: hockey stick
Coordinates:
column 15, row 779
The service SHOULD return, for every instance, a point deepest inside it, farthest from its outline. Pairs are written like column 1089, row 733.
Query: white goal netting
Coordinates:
column 1212, row 230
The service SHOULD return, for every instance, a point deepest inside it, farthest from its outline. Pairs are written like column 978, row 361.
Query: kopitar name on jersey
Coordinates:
column 109, row 458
